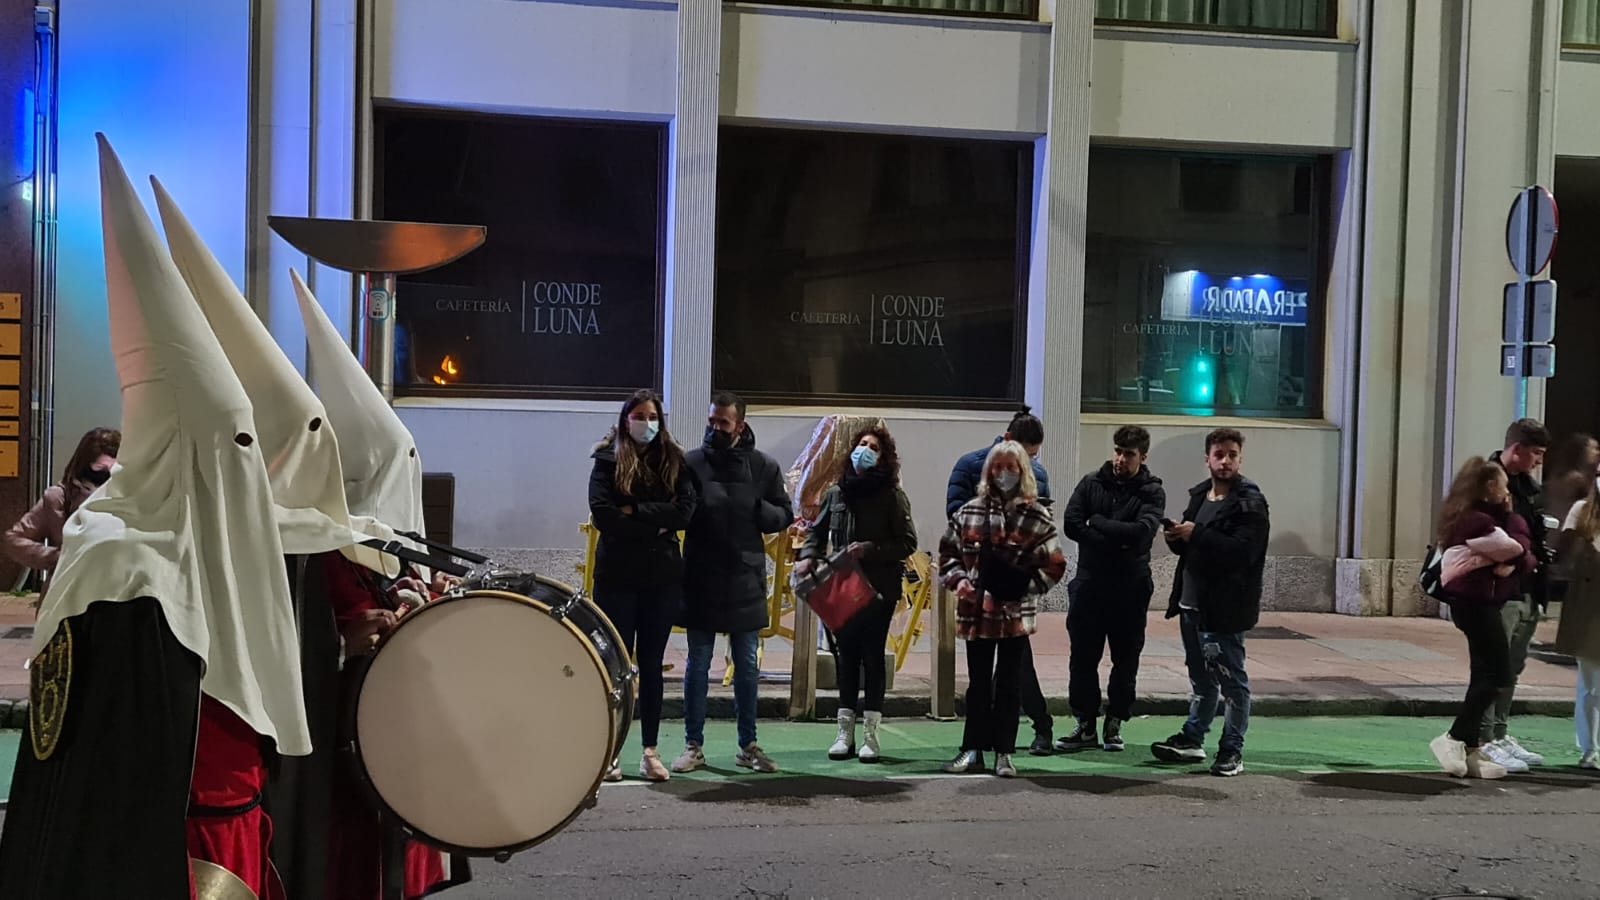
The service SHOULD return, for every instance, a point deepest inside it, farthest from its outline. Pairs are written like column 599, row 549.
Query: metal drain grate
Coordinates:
column 19, row 633
column 1274, row 633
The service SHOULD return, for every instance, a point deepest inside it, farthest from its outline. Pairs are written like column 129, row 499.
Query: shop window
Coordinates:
column 889, row 270
column 564, row 297
column 994, row 9
column 1580, row 23
column 1204, row 283
column 1309, row 17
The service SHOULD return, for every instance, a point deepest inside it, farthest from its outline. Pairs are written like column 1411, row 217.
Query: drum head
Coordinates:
column 484, row 723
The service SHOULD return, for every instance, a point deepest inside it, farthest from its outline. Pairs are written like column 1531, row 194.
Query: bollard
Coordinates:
column 942, row 664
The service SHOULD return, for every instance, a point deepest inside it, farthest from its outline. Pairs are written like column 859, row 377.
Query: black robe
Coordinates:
column 114, row 708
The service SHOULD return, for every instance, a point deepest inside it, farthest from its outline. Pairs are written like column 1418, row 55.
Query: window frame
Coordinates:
column 1320, row 279
column 1027, row 190
column 383, row 112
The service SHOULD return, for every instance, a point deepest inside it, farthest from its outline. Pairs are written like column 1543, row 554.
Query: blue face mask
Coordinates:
column 644, row 432
column 863, row 458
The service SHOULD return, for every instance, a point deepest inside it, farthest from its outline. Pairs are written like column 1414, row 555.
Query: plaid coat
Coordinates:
column 1020, row 538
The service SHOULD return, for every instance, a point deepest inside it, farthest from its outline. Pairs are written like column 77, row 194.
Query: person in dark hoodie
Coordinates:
column 725, row 579
column 641, row 495
column 1222, row 551
column 1027, row 430
column 1113, row 515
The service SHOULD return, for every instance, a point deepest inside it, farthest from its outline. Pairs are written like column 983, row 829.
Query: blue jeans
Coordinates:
column 746, row 677
column 1216, row 673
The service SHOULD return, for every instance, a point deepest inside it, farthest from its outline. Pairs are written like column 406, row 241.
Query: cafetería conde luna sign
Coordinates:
column 1255, row 299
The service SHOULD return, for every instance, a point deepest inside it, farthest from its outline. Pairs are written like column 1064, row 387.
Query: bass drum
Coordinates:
column 484, row 721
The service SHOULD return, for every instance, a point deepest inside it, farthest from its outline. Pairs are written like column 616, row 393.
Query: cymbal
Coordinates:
column 213, row 882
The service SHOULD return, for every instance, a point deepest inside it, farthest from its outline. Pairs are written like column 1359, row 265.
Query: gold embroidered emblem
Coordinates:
column 50, row 678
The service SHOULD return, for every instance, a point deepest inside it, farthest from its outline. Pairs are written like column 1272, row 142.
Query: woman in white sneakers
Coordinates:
column 1579, row 633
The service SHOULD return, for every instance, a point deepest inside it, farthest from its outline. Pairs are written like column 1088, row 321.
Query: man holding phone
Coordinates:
column 1114, row 514
column 1222, row 551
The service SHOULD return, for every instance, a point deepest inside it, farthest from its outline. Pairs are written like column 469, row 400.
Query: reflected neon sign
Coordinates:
column 1194, row 296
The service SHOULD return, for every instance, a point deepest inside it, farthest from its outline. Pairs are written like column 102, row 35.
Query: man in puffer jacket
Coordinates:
column 1114, row 515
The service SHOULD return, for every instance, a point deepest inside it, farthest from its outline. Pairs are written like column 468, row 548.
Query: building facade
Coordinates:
column 1285, row 216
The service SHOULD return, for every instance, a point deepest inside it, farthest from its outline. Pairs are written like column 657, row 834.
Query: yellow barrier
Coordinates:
column 782, row 549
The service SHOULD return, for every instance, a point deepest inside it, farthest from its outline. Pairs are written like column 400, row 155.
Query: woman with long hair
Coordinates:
column 1569, row 473
column 35, row 540
column 640, row 496
column 1487, row 552
column 869, row 515
column 1579, row 631
column 1000, row 554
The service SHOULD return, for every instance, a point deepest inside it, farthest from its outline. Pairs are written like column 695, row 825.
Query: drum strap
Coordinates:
column 199, row 811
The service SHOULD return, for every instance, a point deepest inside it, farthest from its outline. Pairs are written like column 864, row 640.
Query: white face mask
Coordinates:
column 644, row 431
column 1006, row 480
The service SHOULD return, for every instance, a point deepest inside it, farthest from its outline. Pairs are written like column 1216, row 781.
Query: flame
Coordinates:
column 438, row 380
column 450, row 370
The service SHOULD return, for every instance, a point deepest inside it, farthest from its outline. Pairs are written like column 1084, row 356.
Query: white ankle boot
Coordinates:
column 869, row 740
column 844, row 746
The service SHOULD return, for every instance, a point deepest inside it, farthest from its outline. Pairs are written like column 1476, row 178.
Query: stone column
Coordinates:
column 1054, row 375
column 692, row 217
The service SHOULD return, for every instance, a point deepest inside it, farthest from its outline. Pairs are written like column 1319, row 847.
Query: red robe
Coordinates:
column 226, row 824
column 354, row 852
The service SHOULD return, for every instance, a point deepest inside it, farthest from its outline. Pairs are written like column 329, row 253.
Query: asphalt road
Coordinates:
column 1341, row 834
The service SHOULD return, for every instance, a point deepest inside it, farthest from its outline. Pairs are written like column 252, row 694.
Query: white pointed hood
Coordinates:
column 300, row 447
column 382, row 472
column 181, row 519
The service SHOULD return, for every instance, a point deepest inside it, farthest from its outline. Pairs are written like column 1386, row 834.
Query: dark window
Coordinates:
column 884, row 269
column 564, row 297
column 1205, row 283
column 994, row 9
column 1309, row 17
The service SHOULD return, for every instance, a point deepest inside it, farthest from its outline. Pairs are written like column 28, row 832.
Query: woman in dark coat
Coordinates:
column 1478, row 509
column 869, row 515
column 641, row 495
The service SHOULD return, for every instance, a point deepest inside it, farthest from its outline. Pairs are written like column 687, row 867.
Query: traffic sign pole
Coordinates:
column 1531, row 229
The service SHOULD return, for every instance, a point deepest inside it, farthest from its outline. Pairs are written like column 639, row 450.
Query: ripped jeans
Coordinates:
column 1216, row 675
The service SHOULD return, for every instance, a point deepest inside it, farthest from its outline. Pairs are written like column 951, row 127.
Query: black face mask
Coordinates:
column 718, row 440
column 96, row 477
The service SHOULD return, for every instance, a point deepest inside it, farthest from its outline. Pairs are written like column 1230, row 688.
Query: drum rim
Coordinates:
column 358, row 759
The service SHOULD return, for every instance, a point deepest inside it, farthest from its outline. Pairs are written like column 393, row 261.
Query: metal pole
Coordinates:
column 1531, row 246
column 377, row 330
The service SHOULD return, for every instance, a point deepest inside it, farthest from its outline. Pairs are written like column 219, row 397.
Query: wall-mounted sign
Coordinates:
column 10, row 307
column 1255, row 299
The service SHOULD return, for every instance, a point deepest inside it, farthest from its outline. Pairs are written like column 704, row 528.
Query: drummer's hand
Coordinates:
column 443, row 583
column 373, row 623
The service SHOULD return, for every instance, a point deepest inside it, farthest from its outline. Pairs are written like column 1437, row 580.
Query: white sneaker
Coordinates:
column 1479, row 765
column 870, row 751
column 1590, row 760
column 1499, row 754
column 1003, row 766
column 690, row 759
column 1451, row 754
column 1509, row 744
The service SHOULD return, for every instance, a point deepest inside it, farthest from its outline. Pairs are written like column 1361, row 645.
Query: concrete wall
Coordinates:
column 1577, row 99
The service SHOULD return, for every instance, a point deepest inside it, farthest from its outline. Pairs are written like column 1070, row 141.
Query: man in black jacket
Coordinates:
column 1222, row 550
column 1525, row 445
column 1114, row 515
column 742, row 499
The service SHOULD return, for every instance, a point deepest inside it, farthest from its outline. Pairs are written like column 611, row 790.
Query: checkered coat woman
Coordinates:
column 1000, row 553
column 1019, row 532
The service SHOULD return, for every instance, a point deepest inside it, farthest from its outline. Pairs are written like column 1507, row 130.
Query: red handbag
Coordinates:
column 836, row 589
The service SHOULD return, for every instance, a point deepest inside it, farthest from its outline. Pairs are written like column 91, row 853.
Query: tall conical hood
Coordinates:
column 382, row 472
column 300, row 448
column 180, row 520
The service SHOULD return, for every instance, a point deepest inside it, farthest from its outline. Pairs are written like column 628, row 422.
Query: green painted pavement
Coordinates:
column 916, row 747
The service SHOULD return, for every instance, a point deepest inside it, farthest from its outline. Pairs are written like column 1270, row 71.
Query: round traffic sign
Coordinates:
column 1531, row 230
